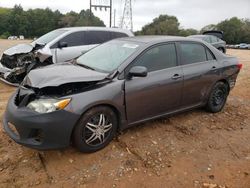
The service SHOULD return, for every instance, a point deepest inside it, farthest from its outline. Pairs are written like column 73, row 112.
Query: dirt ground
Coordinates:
column 193, row 149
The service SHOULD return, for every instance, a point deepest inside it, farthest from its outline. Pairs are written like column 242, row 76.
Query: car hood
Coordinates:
column 59, row 74
column 19, row 49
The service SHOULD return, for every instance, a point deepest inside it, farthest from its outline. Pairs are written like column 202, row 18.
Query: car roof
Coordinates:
column 157, row 38
column 198, row 36
column 97, row 29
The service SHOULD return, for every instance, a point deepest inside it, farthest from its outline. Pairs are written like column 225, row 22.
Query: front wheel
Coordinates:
column 222, row 50
column 95, row 129
column 217, row 98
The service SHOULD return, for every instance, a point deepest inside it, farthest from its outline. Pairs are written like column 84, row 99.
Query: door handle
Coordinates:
column 176, row 76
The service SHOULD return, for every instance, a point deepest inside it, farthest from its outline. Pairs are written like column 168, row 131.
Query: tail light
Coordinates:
column 239, row 66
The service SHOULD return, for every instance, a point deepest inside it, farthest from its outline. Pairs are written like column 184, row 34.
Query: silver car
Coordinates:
column 56, row 46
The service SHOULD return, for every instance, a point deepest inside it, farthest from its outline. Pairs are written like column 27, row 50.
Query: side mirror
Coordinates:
column 138, row 71
column 62, row 44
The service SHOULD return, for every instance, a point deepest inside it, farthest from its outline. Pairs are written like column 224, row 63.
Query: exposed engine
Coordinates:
column 26, row 93
column 18, row 60
column 15, row 67
column 66, row 89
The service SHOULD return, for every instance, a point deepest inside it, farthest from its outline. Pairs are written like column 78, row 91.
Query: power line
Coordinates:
column 127, row 17
column 101, row 5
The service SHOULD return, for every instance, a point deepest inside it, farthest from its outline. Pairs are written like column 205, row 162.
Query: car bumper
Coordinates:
column 39, row 131
column 4, row 71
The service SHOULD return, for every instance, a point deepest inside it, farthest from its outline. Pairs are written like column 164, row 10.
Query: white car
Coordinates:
column 56, row 46
column 68, row 43
column 243, row 46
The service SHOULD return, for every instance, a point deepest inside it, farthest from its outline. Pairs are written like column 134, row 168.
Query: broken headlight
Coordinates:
column 48, row 105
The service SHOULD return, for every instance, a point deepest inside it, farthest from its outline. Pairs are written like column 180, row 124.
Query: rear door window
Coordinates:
column 192, row 53
column 213, row 39
column 97, row 37
column 115, row 35
column 207, row 39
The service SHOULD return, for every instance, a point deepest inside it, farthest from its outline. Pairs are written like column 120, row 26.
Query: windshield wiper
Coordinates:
column 85, row 66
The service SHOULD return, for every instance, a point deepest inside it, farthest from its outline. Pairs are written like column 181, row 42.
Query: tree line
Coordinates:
column 36, row 22
column 235, row 30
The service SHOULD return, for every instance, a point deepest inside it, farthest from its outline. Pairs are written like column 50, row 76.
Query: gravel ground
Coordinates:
column 193, row 149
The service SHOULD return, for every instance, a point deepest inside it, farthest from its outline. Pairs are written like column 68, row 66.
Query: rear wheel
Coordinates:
column 218, row 97
column 95, row 129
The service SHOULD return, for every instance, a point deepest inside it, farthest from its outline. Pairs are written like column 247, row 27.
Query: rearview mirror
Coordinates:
column 138, row 71
column 62, row 44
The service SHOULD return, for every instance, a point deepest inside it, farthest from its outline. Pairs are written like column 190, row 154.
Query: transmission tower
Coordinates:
column 101, row 4
column 127, row 20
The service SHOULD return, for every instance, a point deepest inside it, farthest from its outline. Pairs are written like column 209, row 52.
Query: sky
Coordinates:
column 190, row 13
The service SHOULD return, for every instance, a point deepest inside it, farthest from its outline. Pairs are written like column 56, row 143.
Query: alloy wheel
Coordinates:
column 97, row 130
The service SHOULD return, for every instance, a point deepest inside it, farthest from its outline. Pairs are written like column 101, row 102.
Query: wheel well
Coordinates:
column 225, row 82
column 116, row 111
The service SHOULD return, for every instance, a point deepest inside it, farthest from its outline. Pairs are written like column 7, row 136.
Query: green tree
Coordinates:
column 163, row 25
column 17, row 21
column 233, row 30
column 246, row 31
column 69, row 19
column 4, row 17
column 36, row 22
column 88, row 19
column 187, row 32
column 208, row 28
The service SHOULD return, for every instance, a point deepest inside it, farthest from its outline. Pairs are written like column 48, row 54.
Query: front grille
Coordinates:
column 37, row 135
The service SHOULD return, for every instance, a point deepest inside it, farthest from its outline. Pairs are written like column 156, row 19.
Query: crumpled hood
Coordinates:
column 19, row 49
column 61, row 73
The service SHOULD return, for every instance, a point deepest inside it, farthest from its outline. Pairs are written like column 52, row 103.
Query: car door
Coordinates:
column 200, row 70
column 75, row 47
column 160, row 91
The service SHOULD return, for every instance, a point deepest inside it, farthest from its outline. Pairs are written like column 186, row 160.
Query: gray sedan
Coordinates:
column 117, row 85
column 213, row 40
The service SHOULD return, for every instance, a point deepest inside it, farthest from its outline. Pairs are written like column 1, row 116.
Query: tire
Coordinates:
column 217, row 98
column 222, row 50
column 95, row 129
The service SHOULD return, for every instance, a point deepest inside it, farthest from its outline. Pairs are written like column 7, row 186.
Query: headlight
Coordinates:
column 48, row 105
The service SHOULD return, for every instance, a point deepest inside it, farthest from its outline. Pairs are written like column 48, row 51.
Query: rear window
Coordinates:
column 214, row 39
column 192, row 53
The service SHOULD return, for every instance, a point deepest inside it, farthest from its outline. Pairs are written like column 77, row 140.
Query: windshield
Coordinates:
column 49, row 37
column 108, row 56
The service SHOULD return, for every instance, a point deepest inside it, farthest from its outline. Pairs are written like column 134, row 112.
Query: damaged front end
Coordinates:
column 27, row 94
column 16, row 62
column 64, row 89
